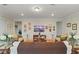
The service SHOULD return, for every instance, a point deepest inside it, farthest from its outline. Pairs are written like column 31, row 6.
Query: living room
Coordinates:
column 39, row 22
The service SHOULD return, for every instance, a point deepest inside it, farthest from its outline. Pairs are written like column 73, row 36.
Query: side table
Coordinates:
column 4, row 50
column 76, row 50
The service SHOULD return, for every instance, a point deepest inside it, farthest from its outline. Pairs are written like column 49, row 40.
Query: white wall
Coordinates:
column 74, row 18
column 6, row 25
column 33, row 22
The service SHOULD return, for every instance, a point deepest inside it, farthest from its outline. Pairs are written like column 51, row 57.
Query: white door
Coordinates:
column 59, row 28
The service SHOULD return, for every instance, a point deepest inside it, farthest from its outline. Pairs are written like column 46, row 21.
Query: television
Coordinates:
column 38, row 28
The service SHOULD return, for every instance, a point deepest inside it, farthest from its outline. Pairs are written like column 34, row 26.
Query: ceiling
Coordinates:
column 60, row 10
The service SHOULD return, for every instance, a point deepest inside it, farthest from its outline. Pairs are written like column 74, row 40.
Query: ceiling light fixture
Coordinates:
column 52, row 14
column 22, row 14
column 37, row 9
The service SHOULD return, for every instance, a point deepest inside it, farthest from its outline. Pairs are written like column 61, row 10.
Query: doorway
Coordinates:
column 59, row 28
column 18, row 27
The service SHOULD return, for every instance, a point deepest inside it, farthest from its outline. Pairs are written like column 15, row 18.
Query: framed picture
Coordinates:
column 53, row 28
column 29, row 23
column 74, row 26
column 50, row 30
column 68, row 24
column 25, row 25
column 50, row 25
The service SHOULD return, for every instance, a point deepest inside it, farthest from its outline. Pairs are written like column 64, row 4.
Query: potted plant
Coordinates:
column 6, row 38
column 72, row 39
column 2, row 38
